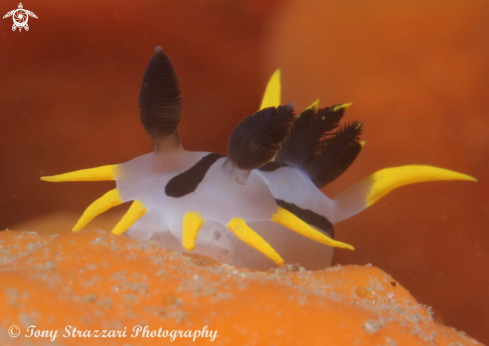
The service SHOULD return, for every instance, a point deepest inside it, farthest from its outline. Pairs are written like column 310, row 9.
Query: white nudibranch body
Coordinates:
column 218, row 198
column 258, row 207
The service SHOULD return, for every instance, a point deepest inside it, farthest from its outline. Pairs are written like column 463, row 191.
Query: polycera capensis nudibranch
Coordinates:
column 260, row 205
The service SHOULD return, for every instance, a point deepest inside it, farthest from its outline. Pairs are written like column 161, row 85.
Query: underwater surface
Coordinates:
column 416, row 72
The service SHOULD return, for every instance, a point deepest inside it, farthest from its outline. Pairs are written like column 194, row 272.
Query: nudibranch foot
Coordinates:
column 260, row 206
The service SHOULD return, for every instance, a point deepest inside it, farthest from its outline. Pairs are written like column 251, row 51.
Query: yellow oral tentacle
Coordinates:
column 192, row 223
column 388, row 179
column 91, row 174
column 134, row 213
column 271, row 98
column 104, row 203
column 292, row 222
column 241, row 230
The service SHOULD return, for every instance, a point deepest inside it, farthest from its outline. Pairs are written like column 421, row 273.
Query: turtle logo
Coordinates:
column 20, row 17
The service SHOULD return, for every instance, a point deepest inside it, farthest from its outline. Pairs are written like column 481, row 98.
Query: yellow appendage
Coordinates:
column 292, row 222
column 241, row 230
column 104, row 203
column 91, row 174
column 271, row 98
column 136, row 210
column 314, row 105
column 192, row 223
column 388, row 179
column 345, row 105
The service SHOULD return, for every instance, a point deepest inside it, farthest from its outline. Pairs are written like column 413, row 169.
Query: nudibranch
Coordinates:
column 259, row 206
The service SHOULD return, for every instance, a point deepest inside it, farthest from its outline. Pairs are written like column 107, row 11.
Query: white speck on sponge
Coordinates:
column 373, row 326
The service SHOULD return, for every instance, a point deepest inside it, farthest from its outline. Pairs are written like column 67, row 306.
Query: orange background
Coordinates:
column 416, row 72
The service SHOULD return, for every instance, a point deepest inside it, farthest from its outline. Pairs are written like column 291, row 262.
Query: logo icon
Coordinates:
column 20, row 17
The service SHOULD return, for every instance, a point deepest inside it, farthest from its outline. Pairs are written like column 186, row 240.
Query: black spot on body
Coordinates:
column 308, row 216
column 188, row 181
column 272, row 166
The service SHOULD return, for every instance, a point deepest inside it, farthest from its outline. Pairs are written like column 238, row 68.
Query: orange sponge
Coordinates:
column 94, row 281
